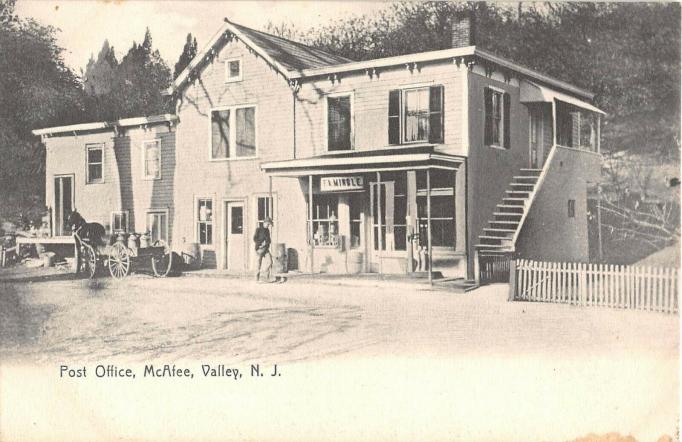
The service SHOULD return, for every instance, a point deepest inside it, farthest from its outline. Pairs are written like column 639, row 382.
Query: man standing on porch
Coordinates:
column 261, row 240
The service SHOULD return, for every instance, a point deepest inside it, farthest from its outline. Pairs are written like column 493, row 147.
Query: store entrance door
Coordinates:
column 235, row 242
column 382, row 223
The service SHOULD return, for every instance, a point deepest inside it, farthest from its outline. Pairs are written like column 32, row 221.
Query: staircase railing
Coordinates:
column 531, row 198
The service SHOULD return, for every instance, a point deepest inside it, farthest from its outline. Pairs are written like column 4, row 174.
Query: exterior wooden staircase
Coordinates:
column 500, row 236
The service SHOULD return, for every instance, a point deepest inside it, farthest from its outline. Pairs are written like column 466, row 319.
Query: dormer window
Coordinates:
column 233, row 70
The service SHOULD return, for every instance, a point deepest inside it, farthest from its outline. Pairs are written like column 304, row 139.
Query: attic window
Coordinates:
column 233, row 70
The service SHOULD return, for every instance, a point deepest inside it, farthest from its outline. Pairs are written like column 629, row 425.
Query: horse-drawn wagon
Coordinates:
column 119, row 253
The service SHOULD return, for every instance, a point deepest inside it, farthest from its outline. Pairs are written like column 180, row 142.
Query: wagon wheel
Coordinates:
column 162, row 264
column 88, row 260
column 119, row 261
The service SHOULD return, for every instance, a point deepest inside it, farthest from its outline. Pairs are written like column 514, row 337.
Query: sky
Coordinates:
column 84, row 25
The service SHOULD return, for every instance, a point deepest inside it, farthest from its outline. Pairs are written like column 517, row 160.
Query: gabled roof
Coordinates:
column 290, row 54
column 284, row 55
column 296, row 61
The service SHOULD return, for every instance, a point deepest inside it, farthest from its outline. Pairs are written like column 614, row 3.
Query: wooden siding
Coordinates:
column 196, row 176
column 548, row 233
column 370, row 106
column 491, row 169
column 66, row 155
column 123, row 187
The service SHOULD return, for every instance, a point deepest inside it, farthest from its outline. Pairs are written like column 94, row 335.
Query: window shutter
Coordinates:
column 507, row 120
column 488, row 104
column 436, row 114
column 394, row 117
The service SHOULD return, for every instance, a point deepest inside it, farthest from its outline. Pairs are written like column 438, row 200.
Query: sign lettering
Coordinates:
column 341, row 183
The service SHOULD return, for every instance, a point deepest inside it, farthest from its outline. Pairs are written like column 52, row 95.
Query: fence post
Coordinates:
column 512, row 280
column 582, row 283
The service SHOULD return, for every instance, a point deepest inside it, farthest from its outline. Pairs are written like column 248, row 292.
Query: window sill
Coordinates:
column 233, row 80
column 223, row 160
column 495, row 146
column 149, row 178
column 95, row 182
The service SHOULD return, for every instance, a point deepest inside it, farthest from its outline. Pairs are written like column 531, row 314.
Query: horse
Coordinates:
column 94, row 233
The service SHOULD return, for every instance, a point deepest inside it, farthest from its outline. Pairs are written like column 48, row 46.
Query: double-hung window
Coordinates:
column 497, row 118
column 151, row 157
column 339, row 123
column 95, row 163
column 415, row 114
column 233, row 133
column 205, row 221
column 119, row 221
column 264, row 209
column 157, row 226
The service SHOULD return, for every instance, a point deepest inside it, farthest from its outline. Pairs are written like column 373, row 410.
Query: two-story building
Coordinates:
column 368, row 166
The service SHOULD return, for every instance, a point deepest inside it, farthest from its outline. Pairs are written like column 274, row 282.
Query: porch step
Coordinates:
column 493, row 246
column 489, row 229
column 516, row 192
column 538, row 171
column 510, row 208
column 525, row 178
column 516, row 184
column 508, row 214
column 515, row 200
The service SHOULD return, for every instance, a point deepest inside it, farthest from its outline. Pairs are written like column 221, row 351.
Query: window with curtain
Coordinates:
column 415, row 115
column 151, row 151
column 233, row 133
column 497, row 118
column 339, row 123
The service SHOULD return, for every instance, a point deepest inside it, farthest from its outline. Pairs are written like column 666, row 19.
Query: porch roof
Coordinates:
column 532, row 92
column 377, row 160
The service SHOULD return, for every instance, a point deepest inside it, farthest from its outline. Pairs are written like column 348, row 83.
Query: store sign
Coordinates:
column 341, row 183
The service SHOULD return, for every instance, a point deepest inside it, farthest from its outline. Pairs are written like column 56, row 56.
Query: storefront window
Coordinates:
column 325, row 220
column 442, row 208
column 442, row 220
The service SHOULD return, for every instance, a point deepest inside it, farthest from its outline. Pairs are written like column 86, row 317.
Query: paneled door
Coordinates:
column 235, row 236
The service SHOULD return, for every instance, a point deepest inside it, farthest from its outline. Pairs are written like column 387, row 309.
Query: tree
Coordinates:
column 36, row 90
column 130, row 88
column 99, row 74
column 189, row 51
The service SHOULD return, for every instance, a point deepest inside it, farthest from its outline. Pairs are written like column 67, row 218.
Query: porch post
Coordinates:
column 380, row 236
column 554, row 128
column 271, row 203
column 428, row 223
column 598, row 133
column 310, row 224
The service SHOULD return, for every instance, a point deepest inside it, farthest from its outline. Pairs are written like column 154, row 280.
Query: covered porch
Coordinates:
column 386, row 211
column 558, row 119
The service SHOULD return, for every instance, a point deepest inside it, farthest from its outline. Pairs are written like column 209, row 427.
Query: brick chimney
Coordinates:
column 463, row 30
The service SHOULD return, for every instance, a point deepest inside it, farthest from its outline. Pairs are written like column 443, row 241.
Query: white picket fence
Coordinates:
column 616, row 286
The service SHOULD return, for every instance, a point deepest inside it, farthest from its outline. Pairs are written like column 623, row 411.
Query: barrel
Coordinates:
column 279, row 264
column 191, row 254
column 354, row 262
